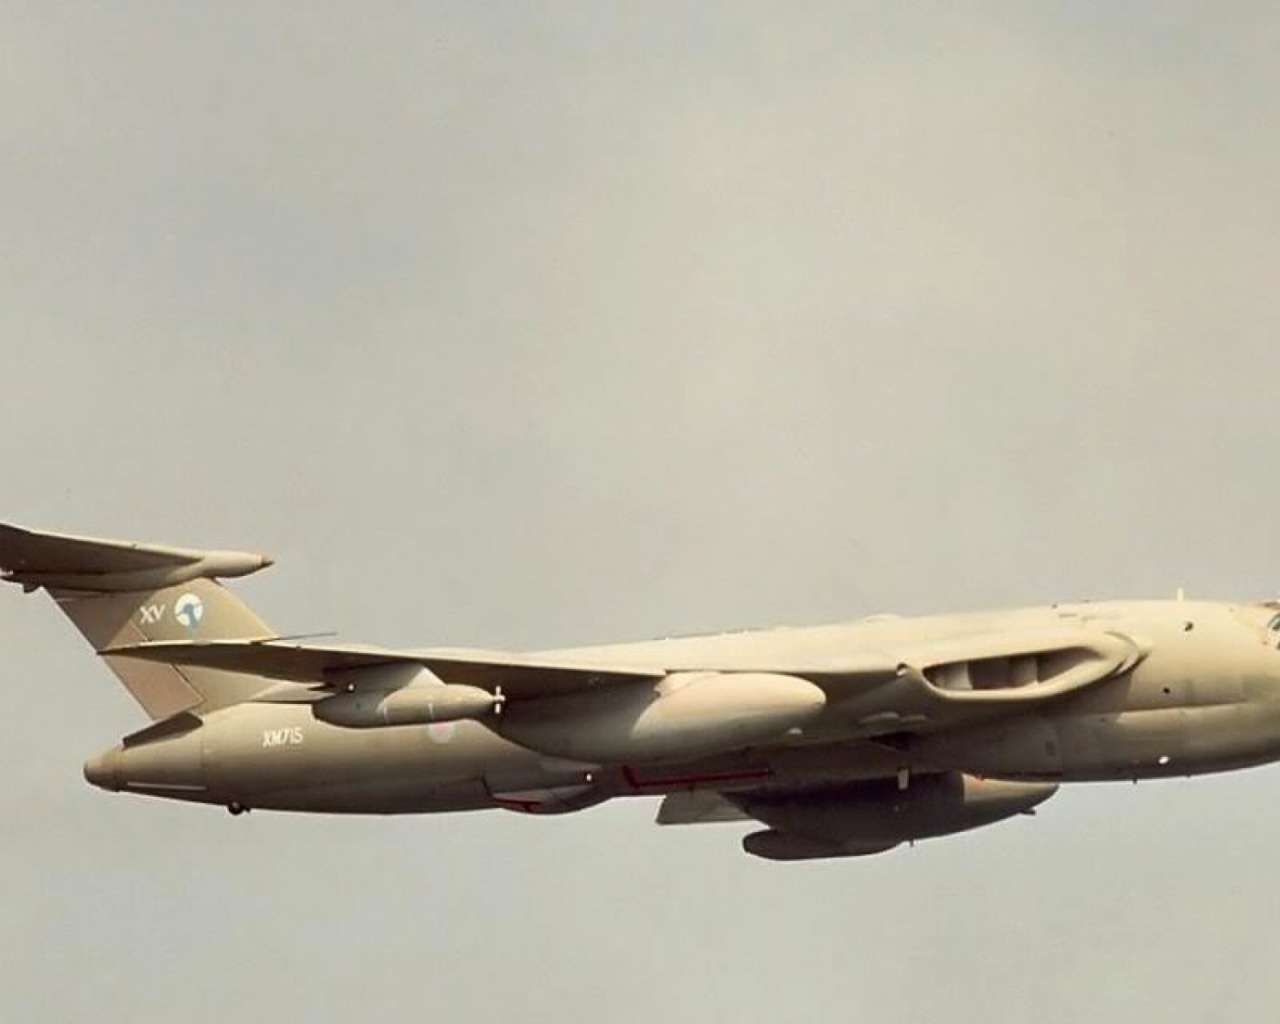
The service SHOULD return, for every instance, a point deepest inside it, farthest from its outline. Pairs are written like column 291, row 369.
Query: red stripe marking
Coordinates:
column 523, row 806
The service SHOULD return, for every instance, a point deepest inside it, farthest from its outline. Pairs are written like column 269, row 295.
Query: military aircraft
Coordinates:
column 840, row 740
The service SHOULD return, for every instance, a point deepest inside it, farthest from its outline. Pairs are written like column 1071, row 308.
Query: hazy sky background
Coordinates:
column 535, row 324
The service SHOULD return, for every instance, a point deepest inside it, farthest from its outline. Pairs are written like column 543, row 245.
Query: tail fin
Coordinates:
column 118, row 593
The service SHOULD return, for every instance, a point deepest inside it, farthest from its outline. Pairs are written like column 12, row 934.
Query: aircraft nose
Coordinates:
column 103, row 771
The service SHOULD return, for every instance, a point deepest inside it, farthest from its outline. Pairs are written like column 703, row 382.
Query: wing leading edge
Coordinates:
column 334, row 667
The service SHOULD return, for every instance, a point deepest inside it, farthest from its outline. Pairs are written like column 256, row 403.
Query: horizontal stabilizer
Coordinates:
column 340, row 666
column 37, row 559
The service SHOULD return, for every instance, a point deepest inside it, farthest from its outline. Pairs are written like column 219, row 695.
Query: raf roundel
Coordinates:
column 189, row 610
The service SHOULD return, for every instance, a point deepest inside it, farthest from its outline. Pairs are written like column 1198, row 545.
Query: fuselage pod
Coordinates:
column 687, row 714
column 416, row 704
column 884, row 812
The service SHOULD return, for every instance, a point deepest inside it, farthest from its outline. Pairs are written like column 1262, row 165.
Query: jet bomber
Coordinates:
column 833, row 741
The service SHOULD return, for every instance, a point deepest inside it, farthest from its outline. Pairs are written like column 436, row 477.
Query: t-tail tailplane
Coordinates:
column 120, row 593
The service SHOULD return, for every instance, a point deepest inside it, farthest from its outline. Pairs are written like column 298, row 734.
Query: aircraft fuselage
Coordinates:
column 1203, row 697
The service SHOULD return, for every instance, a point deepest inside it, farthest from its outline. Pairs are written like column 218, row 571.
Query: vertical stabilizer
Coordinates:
column 120, row 593
column 198, row 610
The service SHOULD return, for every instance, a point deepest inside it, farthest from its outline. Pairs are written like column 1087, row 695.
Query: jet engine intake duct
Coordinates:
column 868, row 817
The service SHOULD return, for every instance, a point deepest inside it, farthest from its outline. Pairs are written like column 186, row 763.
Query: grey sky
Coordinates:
column 528, row 325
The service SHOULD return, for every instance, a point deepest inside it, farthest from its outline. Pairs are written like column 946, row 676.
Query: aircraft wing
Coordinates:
column 872, row 694
column 332, row 666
